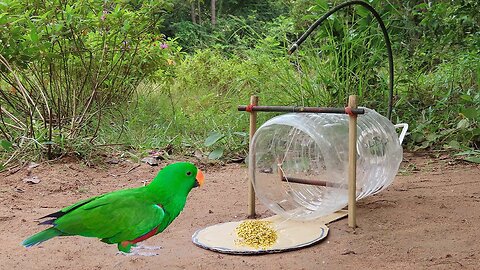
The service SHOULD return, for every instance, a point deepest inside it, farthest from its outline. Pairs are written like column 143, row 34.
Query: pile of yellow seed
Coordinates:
column 258, row 234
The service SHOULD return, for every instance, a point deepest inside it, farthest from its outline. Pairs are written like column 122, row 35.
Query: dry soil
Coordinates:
column 427, row 219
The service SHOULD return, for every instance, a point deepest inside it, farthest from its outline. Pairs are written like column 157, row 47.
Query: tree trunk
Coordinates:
column 192, row 12
column 199, row 12
column 214, row 18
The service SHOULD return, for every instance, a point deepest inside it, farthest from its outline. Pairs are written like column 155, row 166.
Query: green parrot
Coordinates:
column 129, row 216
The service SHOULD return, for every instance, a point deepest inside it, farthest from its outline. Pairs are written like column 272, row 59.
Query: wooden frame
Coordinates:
column 351, row 110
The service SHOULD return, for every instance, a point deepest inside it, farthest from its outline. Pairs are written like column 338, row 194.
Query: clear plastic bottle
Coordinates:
column 315, row 147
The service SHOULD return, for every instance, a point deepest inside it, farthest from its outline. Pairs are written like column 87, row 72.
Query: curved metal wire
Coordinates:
column 295, row 45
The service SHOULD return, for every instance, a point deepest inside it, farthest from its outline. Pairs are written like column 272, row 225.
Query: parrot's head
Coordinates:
column 180, row 176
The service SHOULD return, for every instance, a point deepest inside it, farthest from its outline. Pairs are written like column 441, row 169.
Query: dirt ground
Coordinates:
column 427, row 219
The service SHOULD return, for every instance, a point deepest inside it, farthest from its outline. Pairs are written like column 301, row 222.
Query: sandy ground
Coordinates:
column 427, row 219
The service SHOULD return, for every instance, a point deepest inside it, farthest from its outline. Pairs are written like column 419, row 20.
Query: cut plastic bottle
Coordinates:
column 313, row 149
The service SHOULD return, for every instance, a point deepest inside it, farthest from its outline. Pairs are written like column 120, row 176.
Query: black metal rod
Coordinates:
column 298, row 109
column 385, row 35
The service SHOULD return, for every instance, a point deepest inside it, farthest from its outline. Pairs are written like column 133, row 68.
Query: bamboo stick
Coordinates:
column 297, row 109
column 312, row 182
column 352, row 164
column 251, row 165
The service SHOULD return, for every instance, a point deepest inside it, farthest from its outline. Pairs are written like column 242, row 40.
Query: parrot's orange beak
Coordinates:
column 200, row 178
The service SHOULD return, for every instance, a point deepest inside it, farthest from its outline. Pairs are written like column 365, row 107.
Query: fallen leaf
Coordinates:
column 32, row 165
column 32, row 180
column 150, row 161
column 473, row 159
column 112, row 161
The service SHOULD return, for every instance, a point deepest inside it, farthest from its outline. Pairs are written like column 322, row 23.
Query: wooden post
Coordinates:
column 280, row 170
column 352, row 164
column 251, row 165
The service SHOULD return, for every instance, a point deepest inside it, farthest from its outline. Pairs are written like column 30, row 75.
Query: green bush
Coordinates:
column 67, row 64
column 347, row 55
column 201, row 98
column 78, row 65
column 442, row 105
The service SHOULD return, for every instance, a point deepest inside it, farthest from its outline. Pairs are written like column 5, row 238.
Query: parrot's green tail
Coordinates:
column 41, row 237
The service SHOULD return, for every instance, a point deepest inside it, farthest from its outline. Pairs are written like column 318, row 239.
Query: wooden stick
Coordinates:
column 313, row 182
column 298, row 109
column 310, row 182
column 298, row 180
column 251, row 165
column 352, row 164
column 280, row 170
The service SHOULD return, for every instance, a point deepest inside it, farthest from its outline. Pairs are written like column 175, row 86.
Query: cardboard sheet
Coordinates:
column 292, row 235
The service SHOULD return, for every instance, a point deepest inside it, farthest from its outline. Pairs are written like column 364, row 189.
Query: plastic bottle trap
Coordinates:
column 300, row 173
column 304, row 168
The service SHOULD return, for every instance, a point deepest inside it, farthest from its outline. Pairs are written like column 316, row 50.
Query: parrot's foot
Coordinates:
column 138, row 251
column 144, row 247
column 135, row 252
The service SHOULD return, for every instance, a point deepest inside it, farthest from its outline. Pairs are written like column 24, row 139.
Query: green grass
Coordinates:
column 441, row 104
column 196, row 98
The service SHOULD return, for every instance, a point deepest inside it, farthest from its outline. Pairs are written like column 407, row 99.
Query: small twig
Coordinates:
column 8, row 169
column 7, row 136
column 378, row 201
column 34, row 140
column 131, row 169
column 127, row 172
column 13, row 126
column 50, row 124
column 17, row 167
column 440, row 263
column 29, row 101
column 98, row 125
column 10, row 159
column 15, row 119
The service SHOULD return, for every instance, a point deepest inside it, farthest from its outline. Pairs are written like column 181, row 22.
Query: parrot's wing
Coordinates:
column 113, row 217
column 54, row 216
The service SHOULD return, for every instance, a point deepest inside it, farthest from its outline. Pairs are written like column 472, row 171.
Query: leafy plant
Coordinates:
column 6, row 145
column 65, row 65
column 470, row 155
column 436, row 77
column 70, row 70
column 211, row 140
column 217, row 141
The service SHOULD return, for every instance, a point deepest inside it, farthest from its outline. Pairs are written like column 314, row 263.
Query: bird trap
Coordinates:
column 291, row 172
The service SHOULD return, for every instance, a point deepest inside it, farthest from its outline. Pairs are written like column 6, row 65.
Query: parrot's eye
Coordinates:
column 189, row 173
